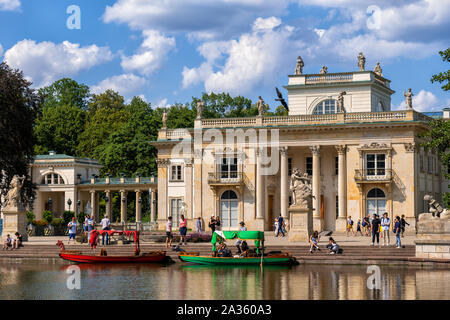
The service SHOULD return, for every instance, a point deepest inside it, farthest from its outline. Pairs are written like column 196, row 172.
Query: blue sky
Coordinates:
column 171, row 50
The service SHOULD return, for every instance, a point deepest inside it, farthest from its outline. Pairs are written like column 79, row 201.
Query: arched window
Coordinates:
column 52, row 178
column 376, row 202
column 326, row 107
column 229, row 209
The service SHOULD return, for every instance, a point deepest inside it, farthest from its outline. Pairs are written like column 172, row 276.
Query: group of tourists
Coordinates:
column 367, row 226
column 88, row 227
column 13, row 244
column 383, row 226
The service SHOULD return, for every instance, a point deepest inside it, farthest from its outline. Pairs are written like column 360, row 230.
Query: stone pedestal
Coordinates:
column 258, row 225
column 300, row 223
column 14, row 220
column 433, row 237
column 341, row 225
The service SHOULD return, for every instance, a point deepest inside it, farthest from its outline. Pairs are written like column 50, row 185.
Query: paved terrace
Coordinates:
column 357, row 250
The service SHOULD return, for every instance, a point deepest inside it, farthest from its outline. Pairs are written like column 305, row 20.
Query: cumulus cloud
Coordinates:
column 423, row 101
column 1, row 50
column 9, row 5
column 45, row 62
column 253, row 59
column 126, row 84
column 204, row 20
column 162, row 103
column 151, row 53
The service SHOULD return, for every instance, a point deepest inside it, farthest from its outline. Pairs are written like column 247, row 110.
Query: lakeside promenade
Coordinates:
column 357, row 251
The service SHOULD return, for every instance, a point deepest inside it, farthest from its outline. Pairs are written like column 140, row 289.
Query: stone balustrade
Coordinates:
column 328, row 77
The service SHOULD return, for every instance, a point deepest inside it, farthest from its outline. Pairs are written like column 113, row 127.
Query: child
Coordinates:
column 313, row 240
column 7, row 244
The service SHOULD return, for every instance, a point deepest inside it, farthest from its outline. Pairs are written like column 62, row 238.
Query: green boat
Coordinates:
column 258, row 258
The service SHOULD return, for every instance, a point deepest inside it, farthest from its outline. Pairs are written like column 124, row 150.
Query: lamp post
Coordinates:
column 69, row 202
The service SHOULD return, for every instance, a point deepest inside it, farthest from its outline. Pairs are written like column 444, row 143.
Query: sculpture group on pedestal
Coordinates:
column 13, row 196
column 436, row 210
column 301, row 189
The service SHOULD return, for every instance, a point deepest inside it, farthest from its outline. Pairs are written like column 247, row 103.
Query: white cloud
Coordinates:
column 1, row 50
column 201, row 19
column 423, row 101
column 45, row 62
column 162, row 103
column 9, row 5
column 253, row 59
column 151, row 53
column 125, row 84
column 264, row 24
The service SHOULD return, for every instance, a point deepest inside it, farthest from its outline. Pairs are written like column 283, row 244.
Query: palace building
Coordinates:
column 361, row 156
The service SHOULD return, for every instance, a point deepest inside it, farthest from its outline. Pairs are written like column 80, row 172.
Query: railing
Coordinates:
column 228, row 122
column 225, row 178
column 376, row 116
column 329, row 77
column 306, row 119
column 375, row 175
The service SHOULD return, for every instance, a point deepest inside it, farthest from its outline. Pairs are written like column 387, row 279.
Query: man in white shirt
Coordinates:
column 105, row 226
column 385, row 226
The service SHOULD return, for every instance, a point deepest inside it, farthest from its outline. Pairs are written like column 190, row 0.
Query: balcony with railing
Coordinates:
column 225, row 178
column 374, row 175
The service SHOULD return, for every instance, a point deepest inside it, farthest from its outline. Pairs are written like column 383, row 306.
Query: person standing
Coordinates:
column 280, row 226
column 212, row 224
column 72, row 229
column 403, row 224
column 385, row 225
column 106, row 225
column 397, row 231
column 90, row 226
column 169, row 235
column 276, row 226
column 218, row 225
column 375, row 229
column 350, row 226
column 199, row 225
column 183, row 230
column 358, row 228
column 239, row 242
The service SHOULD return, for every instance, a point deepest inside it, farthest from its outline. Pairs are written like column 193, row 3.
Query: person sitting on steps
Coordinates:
column 314, row 240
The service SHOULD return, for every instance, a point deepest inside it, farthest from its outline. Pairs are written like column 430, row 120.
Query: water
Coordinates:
column 187, row 282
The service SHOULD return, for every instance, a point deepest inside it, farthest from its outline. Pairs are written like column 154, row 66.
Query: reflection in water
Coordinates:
column 221, row 283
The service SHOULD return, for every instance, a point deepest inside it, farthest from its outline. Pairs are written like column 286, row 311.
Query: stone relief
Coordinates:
column 300, row 186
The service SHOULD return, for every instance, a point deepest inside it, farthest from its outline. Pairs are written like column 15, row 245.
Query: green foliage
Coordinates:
column 47, row 216
column 446, row 198
column 67, row 216
column 19, row 105
column 57, row 222
column 80, row 217
column 109, row 100
column 443, row 77
column 65, row 92
column 222, row 105
column 30, row 217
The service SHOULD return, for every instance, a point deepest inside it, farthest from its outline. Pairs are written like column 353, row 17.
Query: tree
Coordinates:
column 19, row 105
column 107, row 114
column 222, row 105
column 443, row 76
column 65, row 92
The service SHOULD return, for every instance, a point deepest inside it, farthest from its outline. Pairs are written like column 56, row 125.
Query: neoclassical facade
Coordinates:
column 361, row 156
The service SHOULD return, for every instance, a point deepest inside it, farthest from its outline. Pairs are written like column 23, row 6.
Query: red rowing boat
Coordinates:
column 138, row 257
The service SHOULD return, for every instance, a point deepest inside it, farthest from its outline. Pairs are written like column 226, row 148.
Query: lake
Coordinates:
column 187, row 282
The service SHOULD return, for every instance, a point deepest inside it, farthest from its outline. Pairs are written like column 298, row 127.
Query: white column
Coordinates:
column 316, row 187
column 284, row 183
column 93, row 203
column 341, row 222
column 108, row 204
column 138, row 206
column 123, row 206
column 259, row 186
column 153, row 206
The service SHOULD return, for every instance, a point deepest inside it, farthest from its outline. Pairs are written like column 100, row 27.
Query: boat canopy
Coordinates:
column 256, row 236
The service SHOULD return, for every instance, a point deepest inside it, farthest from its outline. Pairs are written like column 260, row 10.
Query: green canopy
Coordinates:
column 257, row 236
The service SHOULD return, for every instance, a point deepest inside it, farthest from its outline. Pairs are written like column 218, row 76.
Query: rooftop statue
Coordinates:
column 340, row 102
column 200, row 106
column 324, row 70
column 408, row 98
column 301, row 189
column 261, row 106
column 361, row 62
column 164, row 119
column 281, row 99
column 299, row 67
column 13, row 196
column 378, row 70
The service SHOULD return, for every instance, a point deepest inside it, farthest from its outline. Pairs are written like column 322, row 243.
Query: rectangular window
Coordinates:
column 309, row 166
column 175, row 208
column 430, row 164
column 289, row 166
column 376, row 164
column 176, row 173
column 336, row 165
column 229, row 168
column 49, row 179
